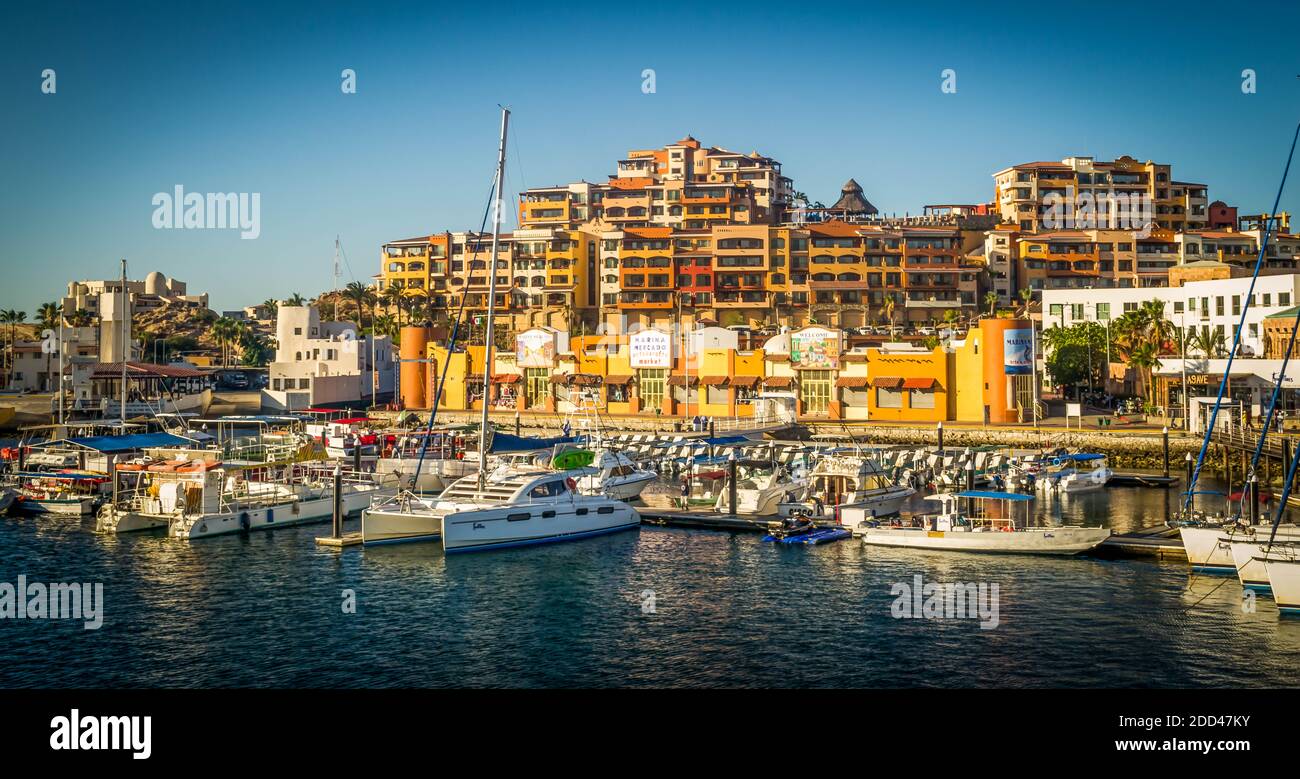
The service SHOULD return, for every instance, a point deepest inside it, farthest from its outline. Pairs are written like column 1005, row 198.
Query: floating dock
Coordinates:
column 1161, row 542
column 347, row 539
column 1142, row 480
column 708, row 520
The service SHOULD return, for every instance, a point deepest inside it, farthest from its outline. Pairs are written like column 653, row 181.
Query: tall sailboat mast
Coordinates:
column 492, row 298
column 126, row 339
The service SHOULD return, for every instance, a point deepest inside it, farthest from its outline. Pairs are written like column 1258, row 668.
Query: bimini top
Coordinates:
column 1078, row 458
column 981, row 495
column 112, row 444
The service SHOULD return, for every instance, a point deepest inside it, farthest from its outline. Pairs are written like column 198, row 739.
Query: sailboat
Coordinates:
column 515, row 505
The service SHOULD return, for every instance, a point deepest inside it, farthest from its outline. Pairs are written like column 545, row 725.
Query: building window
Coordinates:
column 889, row 398
column 651, row 382
column 815, row 390
column 537, row 386
column 922, row 398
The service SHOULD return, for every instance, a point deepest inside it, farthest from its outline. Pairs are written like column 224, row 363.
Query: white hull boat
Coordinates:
column 515, row 507
column 288, row 510
column 1283, row 571
column 1073, row 477
column 1209, row 548
column 614, row 475
column 952, row 531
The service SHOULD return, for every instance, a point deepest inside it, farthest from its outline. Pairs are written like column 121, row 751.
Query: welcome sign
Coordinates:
column 815, row 347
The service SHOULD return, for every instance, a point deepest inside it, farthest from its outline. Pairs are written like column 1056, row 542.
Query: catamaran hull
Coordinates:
column 298, row 512
column 393, row 526
column 130, row 522
column 511, row 526
column 1057, row 541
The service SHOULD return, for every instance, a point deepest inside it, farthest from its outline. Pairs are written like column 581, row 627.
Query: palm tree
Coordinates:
column 391, row 297
column 360, row 295
column 12, row 318
column 295, row 299
column 272, row 305
column 384, row 325
column 81, row 318
column 991, row 300
column 49, row 315
column 1145, row 357
column 1026, row 300
column 227, row 332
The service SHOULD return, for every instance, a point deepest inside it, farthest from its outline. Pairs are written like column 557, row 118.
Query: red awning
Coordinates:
column 887, row 382
column 505, row 378
column 926, row 383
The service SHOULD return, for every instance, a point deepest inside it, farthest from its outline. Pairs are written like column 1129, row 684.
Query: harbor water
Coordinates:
column 647, row 608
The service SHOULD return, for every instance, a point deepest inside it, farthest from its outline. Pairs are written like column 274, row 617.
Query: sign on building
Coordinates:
column 1018, row 352
column 815, row 347
column 650, row 349
column 535, row 349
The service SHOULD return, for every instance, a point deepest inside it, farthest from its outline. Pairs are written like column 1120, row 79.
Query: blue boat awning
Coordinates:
column 989, row 495
column 112, row 444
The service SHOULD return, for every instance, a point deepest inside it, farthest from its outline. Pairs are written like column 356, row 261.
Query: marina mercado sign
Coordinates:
column 1018, row 351
column 815, row 347
column 650, row 349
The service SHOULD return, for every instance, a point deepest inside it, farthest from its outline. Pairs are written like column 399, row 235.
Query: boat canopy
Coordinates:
column 112, row 444
column 982, row 495
column 1079, row 458
column 504, row 442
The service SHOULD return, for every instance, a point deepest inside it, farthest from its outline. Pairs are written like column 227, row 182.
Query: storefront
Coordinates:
column 815, row 358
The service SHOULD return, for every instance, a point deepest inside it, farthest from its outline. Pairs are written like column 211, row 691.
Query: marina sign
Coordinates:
column 1017, row 352
column 650, row 349
column 815, row 347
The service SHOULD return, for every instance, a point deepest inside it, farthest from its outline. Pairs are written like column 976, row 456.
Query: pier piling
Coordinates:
column 1165, row 444
column 338, row 503
column 731, row 483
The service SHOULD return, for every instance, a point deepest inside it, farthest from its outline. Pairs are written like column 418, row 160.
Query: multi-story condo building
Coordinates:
column 1022, row 193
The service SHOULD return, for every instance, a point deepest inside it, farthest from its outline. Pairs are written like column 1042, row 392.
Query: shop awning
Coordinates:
column 745, row 381
column 505, row 378
column 584, row 379
column 561, row 378
column 887, row 382
column 852, row 382
column 682, row 381
column 778, row 381
column 926, row 383
column 715, row 381
column 618, row 381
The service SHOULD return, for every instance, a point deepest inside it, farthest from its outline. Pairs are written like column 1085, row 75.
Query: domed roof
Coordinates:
column 155, row 283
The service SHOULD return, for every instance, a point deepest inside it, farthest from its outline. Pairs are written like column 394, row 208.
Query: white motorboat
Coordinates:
column 761, row 488
column 513, row 507
column 439, row 456
column 994, row 531
column 207, row 498
column 1075, row 473
column 615, row 475
column 853, row 488
column 63, row 493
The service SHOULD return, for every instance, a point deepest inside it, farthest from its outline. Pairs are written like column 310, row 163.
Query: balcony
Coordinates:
column 637, row 299
column 734, row 299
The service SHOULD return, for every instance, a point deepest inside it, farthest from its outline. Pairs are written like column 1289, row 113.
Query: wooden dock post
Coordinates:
column 731, row 482
column 939, row 427
column 338, row 502
column 1165, row 433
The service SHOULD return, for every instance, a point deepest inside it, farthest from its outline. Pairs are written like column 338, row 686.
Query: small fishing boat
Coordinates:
column 761, row 487
column 614, row 475
column 68, row 493
column 1075, row 473
column 988, row 530
column 850, row 488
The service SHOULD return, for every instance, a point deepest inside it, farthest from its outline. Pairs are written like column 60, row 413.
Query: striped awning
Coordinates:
column 682, row 381
column 887, row 382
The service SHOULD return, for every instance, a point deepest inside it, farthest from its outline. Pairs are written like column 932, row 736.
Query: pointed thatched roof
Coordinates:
column 852, row 201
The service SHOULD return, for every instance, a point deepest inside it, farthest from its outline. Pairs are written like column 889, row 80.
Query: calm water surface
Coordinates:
column 729, row 610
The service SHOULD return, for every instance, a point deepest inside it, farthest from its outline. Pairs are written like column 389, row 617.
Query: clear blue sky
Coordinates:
column 234, row 97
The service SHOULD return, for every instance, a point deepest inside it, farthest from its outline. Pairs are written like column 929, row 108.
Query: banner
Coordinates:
column 535, row 349
column 1018, row 352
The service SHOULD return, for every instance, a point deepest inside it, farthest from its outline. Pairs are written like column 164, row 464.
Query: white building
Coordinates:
column 36, row 363
column 319, row 363
column 1204, row 305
